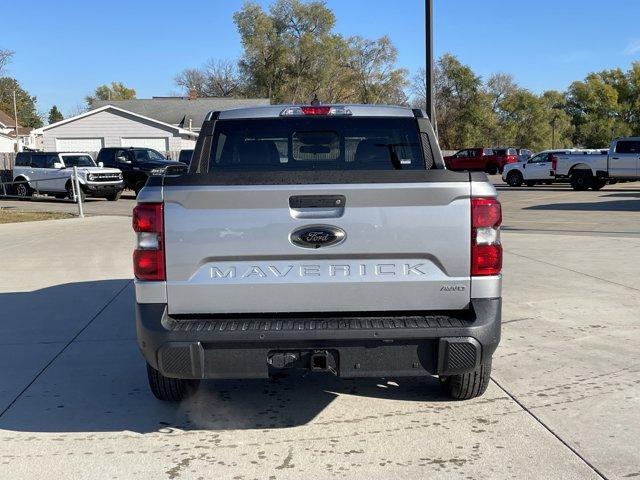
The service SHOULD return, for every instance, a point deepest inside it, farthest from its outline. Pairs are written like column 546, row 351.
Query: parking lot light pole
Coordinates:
column 428, row 22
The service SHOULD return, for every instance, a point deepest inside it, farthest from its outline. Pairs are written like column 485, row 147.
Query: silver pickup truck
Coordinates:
column 325, row 238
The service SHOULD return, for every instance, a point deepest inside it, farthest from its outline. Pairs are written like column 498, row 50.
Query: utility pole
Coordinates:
column 428, row 19
column 15, row 117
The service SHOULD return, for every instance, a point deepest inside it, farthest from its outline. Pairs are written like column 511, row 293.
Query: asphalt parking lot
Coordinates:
column 563, row 402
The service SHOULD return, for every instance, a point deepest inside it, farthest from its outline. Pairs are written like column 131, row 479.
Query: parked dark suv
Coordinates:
column 137, row 164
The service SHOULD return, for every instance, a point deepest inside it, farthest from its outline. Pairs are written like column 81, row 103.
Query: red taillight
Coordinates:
column 315, row 110
column 554, row 162
column 148, row 257
column 485, row 212
column 486, row 250
column 512, row 159
column 148, row 265
column 147, row 217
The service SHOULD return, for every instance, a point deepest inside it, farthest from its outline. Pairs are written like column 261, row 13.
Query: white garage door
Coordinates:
column 79, row 144
column 159, row 144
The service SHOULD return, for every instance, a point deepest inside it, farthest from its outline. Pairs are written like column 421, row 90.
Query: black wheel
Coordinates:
column 139, row 186
column 531, row 183
column 70, row 192
column 169, row 389
column 492, row 169
column 598, row 184
column 514, row 178
column 23, row 190
column 581, row 180
column 112, row 197
column 468, row 385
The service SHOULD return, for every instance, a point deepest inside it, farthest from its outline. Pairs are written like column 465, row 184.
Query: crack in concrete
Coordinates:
column 547, row 428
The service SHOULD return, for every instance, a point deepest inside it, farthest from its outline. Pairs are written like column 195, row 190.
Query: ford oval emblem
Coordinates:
column 318, row 236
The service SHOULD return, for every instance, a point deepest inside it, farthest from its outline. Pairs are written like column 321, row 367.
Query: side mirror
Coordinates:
column 58, row 165
column 100, row 164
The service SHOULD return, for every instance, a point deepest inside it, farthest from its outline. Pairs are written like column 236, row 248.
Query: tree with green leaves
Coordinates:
column 55, row 115
column 26, row 104
column 372, row 64
column 463, row 109
column 595, row 112
column 115, row 91
column 291, row 53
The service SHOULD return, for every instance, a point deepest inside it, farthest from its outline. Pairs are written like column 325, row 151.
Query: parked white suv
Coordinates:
column 51, row 173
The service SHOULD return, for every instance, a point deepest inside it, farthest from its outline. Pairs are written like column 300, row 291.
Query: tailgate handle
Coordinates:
column 317, row 206
column 317, row 201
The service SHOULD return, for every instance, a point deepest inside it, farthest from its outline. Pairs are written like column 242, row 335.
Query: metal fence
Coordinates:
column 10, row 188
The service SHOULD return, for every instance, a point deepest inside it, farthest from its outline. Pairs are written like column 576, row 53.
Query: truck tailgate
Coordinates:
column 229, row 248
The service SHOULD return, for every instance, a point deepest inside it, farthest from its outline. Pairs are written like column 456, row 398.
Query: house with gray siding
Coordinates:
column 183, row 112
column 112, row 126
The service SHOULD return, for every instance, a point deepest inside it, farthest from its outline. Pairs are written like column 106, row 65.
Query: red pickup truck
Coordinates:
column 487, row 160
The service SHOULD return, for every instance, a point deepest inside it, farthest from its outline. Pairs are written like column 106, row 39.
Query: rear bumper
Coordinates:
column 426, row 343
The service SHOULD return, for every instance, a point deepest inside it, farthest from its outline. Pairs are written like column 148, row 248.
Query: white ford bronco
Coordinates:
column 51, row 173
column 325, row 238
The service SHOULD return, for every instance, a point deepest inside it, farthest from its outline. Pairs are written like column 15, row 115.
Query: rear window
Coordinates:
column 23, row 160
column 319, row 143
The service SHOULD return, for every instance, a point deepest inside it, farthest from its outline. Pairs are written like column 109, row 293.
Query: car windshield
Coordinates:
column 143, row 155
column 318, row 143
column 78, row 161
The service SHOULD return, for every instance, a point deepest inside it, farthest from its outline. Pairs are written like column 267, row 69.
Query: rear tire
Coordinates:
column 581, row 180
column 514, row 178
column 23, row 190
column 468, row 385
column 169, row 389
column 139, row 186
column 598, row 184
column 492, row 169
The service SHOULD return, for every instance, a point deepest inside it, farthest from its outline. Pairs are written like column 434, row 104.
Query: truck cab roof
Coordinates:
column 353, row 110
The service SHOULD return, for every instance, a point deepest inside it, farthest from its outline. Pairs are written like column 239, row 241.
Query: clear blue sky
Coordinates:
column 65, row 49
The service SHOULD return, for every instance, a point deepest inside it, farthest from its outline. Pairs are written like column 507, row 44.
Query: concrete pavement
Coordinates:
column 74, row 402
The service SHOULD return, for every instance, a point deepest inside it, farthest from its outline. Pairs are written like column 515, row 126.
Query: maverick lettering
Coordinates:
column 315, row 270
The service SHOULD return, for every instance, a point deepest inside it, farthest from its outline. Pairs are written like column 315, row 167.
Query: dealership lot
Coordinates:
column 563, row 402
column 556, row 208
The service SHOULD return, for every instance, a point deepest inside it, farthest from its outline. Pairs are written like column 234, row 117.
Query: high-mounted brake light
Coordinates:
column 148, row 257
column 486, row 250
column 315, row 110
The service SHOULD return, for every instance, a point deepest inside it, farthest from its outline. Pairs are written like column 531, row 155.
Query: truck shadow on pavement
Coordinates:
column 605, row 206
column 84, row 373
